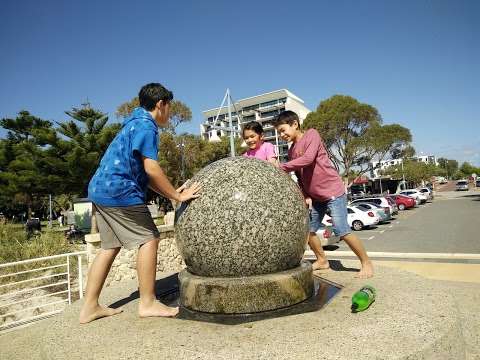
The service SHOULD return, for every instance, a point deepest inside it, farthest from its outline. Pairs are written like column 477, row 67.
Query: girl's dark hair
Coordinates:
column 254, row 126
column 151, row 94
column 286, row 117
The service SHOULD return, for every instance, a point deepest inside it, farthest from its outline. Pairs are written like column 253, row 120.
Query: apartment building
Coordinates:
column 427, row 159
column 377, row 166
column 262, row 108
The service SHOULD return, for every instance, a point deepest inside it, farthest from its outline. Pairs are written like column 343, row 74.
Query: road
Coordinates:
column 449, row 224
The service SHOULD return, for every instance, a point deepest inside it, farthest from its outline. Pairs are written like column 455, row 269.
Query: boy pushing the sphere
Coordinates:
column 322, row 187
column 117, row 191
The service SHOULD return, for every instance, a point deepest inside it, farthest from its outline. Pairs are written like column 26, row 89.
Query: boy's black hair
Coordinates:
column 151, row 94
column 254, row 126
column 286, row 117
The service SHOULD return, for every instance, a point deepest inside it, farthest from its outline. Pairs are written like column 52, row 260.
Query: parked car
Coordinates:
column 427, row 192
column 382, row 213
column 477, row 183
column 393, row 205
column 461, row 185
column 414, row 193
column 441, row 179
column 358, row 218
column 326, row 234
column 403, row 202
column 379, row 200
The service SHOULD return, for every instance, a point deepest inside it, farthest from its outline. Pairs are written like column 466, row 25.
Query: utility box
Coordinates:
column 82, row 210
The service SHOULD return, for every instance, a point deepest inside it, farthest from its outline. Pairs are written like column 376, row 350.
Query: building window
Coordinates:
column 270, row 113
column 251, row 107
column 269, row 103
column 269, row 133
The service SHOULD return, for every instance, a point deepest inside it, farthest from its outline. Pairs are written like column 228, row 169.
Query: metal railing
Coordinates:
column 51, row 276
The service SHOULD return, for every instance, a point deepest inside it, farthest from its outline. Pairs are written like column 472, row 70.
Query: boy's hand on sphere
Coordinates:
column 192, row 192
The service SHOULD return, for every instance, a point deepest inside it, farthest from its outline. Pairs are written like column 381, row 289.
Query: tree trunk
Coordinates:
column 29, row 206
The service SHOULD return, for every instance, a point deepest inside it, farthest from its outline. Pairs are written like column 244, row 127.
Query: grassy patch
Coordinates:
column 15, row 246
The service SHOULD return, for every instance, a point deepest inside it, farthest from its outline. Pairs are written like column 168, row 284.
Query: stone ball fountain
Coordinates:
column 243, row 240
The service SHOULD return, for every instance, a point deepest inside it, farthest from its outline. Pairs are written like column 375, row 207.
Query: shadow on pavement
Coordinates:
column 336, row 265
column 163, row 287
column 474, row 197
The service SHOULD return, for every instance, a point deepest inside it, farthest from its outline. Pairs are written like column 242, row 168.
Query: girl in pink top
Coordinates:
column 257, row 148
column 322, row 187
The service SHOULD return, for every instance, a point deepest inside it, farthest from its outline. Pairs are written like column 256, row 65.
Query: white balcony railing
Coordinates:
column 39, row 289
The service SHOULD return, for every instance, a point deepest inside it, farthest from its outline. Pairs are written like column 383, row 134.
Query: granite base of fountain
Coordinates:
column 323, row 292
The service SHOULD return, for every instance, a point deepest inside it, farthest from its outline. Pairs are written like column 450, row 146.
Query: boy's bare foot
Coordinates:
column 156, row 308
column 90, row 313
column 366, row 271
column 320, row 265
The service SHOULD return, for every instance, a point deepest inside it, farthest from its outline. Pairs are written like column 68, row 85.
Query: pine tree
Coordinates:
column 25, row 176
column 87, row 142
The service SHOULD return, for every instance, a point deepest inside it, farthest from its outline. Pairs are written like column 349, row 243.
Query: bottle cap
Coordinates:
column 354, row 307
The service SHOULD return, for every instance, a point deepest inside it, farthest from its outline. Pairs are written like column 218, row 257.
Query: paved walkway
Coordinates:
column 413, row 317
column 438, row 271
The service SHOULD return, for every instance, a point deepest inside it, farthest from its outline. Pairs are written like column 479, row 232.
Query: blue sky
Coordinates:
column 416, row 61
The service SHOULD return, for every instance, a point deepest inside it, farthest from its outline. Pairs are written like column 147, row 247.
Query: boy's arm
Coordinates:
column 159, row 182
column 311, row 150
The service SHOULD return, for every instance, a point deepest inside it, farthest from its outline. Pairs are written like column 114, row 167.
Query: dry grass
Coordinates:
column 15, row 246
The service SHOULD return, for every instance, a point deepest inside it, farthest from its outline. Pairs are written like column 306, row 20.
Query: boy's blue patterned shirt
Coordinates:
column 120, row 179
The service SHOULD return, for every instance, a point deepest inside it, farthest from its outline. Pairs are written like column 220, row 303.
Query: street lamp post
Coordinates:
column 403, row 172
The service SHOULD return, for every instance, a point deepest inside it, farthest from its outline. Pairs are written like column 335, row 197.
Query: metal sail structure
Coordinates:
column 230, row 129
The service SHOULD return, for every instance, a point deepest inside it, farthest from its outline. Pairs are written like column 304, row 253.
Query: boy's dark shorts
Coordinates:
column 128, row 226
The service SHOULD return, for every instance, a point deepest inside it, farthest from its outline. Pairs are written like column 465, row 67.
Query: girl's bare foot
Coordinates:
column 366, row 271
column 320, row 265
column 90, row 313
column 156, row 308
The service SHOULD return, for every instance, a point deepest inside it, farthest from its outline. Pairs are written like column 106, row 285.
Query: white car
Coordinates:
column 382, row 213
column 358, row 218
column 414, row 193
column 427, row 192
column 461, row 185
column 378, row 200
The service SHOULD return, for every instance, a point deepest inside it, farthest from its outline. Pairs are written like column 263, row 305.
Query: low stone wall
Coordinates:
column 125, row 264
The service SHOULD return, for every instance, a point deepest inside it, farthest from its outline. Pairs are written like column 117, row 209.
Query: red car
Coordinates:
column 403, row 202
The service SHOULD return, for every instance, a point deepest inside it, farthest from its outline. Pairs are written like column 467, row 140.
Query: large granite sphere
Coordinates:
column 251, row 219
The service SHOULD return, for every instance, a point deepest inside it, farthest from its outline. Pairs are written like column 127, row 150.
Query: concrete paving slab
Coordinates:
column 412, row 318
column 439, row 271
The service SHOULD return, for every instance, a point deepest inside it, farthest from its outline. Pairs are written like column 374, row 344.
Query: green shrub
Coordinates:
column 15, row 246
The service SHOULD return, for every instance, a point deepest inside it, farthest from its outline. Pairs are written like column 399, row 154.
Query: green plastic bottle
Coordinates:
column 363, row 298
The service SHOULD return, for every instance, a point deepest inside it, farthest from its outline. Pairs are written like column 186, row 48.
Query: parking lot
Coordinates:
column 448, row 224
